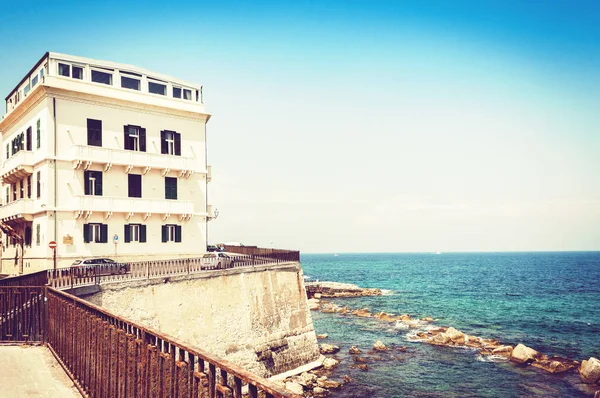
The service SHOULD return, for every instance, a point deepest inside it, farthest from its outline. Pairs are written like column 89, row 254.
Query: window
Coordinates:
column 177, row 92
column 14, row 191
column 28, row 187
column 26, row 89
column 135, row 185
column 39, row 123
column 171, row 233
column 77, row 72
column 101, row 77
column 135, row 233
column 21, row 189
column 95, row 233
column 18, row 143
column 93, row 182
column 37, row 234
column 128, row 82
column 170, row 188
column 94, row 131
column 170, row 143
column 34, row 81
column 28, row 140
column 42, row 73
column 27, row 236
column 64, row 70
column 187, row 94
column 157, row 88
column 39, row 184
column 135, row 138
column 7, row 195
column 7, row 152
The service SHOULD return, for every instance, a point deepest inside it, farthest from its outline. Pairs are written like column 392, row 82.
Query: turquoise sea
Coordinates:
column 549, row 301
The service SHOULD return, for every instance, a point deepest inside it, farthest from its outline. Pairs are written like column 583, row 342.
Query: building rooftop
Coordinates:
column 56, row 69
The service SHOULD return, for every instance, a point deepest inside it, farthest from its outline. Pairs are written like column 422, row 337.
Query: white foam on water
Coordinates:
column 387, row 292
column 491, row 358
column 401, row 325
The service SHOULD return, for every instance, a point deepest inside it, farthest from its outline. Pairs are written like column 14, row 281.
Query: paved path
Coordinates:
column 32, row 371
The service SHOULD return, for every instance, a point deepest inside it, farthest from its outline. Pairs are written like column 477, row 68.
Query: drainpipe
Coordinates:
column 55, row 171
column 206, row 181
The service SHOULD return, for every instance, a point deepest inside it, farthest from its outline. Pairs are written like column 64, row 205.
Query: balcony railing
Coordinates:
column 22, row 208
column 17, row 167
column 132, row 205
column 121, row 157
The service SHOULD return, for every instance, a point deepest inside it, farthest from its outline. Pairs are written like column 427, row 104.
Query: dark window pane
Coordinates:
column 177, row 92
column 170, row 188
column 127, row 82
column 94, row 132
column 157, row 88
column 64, row 70
column 135, row 185
column 187, row 94
column 77, row 72
column 101, row 77
column 34, row 81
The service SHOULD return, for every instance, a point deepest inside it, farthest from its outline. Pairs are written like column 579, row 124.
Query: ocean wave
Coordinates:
column 491, row 358
column 387, row 292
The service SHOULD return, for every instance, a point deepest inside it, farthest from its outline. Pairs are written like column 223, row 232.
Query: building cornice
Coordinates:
column 42, row 91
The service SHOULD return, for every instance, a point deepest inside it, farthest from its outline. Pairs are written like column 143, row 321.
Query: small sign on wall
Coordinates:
column 67, row 240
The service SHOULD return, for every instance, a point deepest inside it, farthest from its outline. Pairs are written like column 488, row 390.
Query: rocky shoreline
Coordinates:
column 519, row 354
column 320, row 290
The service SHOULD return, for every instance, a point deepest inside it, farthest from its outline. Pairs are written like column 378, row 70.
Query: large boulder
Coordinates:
column 503, row 351
column 589, row 371
column 524, row 354
column 385, row 317
column 439, row 339
column 553, row 366
column 308, row 379
column 327, row 383
column 379, row 346
column 456, row 336
column 364, row 312
column 319, row 392
column 354, row 350
column 322, row 336
column 328, row 348
column 330, row 363
column 294, row 387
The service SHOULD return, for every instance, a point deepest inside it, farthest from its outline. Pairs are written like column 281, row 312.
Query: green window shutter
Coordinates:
column 99, row 183
column 38, row 133
column 164, row 233
column 142, row 233
column 127, row 233
column 86, row 233
column 178, row 233
column 104, row 233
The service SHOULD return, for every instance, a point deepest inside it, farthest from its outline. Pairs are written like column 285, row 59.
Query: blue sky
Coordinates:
column 369, row 125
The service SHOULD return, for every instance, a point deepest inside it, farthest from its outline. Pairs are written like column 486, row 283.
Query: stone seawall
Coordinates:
column 255, row 317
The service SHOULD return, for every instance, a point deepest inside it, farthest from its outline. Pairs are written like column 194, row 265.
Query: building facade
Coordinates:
column 106, row 160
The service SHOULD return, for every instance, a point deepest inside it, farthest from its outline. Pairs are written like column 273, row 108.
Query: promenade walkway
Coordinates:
column 32, row 371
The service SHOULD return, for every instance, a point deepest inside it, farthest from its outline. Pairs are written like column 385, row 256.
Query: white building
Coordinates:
column 106, row 160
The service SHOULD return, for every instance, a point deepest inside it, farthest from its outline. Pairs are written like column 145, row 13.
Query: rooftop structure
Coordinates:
column 106, row 160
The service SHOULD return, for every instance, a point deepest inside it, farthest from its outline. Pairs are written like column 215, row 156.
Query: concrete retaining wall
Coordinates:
column 255, row 317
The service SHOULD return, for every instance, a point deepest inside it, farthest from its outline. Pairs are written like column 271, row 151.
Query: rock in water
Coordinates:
column 322, row 336
column 379, row 346
column 319, row 392
column 455, row 335
column 328, row 383
column 330, row 363
column 294, row 387
column 552, row 366
column 524, row 354
column 308, row 379
column 314, row 304
column 328, row 348
column 590, row 371
column 503, row 351
column 354, row 350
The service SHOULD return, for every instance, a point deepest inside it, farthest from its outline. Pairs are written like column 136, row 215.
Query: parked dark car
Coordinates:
column 102, row 266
